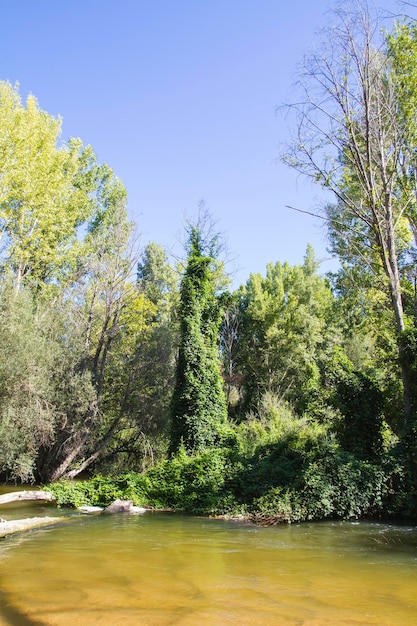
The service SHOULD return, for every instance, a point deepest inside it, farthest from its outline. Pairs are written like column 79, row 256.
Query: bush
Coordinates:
column 340, row 485
column 100, row 490
column 193, row 483
column 300, row 474
column 361, row 403
column 280, row 505
column 185, row 483
column 336, row 484
column 274, row 422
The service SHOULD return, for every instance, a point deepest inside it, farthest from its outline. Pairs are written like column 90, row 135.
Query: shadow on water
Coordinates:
column 12, row 616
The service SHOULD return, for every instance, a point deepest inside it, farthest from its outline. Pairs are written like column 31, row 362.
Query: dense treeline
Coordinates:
column 293, row 397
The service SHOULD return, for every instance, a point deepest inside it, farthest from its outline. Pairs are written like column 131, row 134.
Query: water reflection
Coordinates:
column 172, row 569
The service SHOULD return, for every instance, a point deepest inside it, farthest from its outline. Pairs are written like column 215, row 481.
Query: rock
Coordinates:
column 119, row 506
column 123, row 506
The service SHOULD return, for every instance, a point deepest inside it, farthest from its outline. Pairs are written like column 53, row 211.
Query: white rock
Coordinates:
column 138, row 510
column 90, row 509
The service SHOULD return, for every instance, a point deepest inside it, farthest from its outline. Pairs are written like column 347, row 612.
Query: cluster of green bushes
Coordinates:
column 279, row 468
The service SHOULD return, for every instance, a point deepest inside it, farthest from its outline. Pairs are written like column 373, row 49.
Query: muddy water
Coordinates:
column 163, row 568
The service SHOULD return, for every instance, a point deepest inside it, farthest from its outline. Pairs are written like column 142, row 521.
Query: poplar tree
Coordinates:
column 198, row 405
column 355, row 135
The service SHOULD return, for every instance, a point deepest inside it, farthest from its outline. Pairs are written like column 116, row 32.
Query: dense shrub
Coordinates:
column 100, row 490
column 334, row 485
column 189, row 482
column 186, row 483
column 275, row 467
column 361, row 404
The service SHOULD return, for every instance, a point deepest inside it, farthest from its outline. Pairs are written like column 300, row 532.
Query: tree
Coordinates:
column 29, row 352
column 158, row 281
column 286, row 326
column 46, row 191
column 96, row 306
column 229, row 346
column 351, row 138
column 96, row 372
column 141, row 371
column 198, row 405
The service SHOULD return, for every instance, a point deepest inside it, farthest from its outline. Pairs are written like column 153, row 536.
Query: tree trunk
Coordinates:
column 18, row 496
column 21, row 525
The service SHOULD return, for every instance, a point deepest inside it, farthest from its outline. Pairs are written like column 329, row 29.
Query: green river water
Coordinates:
column 164, row 568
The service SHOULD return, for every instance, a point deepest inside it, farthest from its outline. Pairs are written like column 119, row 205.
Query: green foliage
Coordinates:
column 158, row 281
column 337, row 485
column 402, row 51
column 408, row 360
column 340, row 485
column 293, row 471
column 198, row 404
column 185, row 483
column 287, row 324
column 189, row 482
column 273, row 421
column 361, row 404
column 69, row 494
column 100, row 490
column 29, row 352
column 46, row 192
column 279, row 504
column 286, row 481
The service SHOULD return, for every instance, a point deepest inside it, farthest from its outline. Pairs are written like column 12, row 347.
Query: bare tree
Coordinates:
column 351, row 139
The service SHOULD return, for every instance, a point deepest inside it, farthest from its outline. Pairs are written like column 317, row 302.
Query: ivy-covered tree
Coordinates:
column 198, row 405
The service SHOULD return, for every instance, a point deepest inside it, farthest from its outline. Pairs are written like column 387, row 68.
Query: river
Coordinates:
column 169, row 569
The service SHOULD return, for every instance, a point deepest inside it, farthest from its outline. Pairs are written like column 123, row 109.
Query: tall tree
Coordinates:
column 350, row 137
column 286, row 327
column 49, row 192
column 198, row 404
column 97, row 305
column 158, row 280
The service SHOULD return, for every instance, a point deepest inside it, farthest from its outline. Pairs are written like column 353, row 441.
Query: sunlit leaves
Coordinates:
column 48, row 191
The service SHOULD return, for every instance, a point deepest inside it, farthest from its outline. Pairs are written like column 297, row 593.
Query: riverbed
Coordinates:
column 170, row 569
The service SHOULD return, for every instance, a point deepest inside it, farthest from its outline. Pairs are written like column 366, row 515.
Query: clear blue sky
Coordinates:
column 179, row 97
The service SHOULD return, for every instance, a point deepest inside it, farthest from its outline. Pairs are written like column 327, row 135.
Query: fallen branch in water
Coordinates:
column 20, row 525
column 17, row 496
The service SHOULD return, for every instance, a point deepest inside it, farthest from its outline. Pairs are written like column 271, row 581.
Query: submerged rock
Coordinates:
column 90, row 509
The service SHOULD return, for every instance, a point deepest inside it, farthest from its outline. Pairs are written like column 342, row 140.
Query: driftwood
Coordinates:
column 17, row 526
column 20, row 525
column 18, row 496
